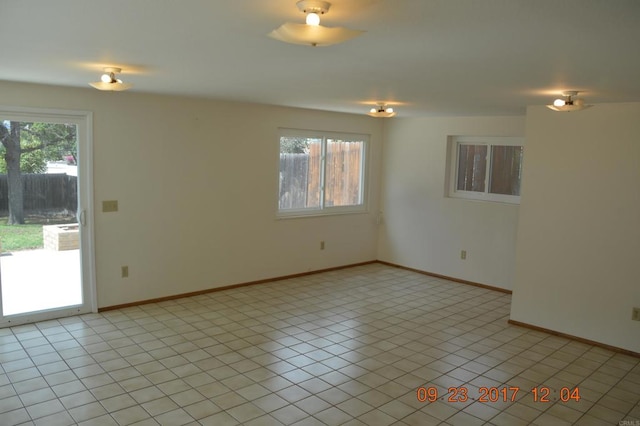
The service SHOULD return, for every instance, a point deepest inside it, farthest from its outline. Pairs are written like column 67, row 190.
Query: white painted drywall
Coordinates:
column 578, row 246
column 196, row 181
column 426, row 230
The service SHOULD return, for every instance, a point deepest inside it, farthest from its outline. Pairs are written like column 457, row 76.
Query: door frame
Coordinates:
column 84, row 122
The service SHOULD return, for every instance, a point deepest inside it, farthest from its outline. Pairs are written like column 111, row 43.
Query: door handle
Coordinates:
column 82, row 217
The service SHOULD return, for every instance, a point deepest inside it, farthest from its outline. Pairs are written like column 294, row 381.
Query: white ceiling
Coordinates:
column 426, row 57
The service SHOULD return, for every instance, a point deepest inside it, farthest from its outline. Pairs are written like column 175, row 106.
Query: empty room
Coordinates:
column 347, row 212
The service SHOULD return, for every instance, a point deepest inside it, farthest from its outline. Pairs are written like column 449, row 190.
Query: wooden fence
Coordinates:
column 300, row 176
column 44, row 192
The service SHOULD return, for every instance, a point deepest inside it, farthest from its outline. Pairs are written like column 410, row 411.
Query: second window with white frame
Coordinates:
column 321, row 172
column 486, row 168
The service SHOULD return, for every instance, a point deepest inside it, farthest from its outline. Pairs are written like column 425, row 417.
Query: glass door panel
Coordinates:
column 41, row 234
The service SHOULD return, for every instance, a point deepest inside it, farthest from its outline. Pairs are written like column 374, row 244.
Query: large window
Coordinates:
column 321, row 173
column 486, row 168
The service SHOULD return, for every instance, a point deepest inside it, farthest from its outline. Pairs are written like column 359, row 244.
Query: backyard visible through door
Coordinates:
column 38, row 278
column 40, row 257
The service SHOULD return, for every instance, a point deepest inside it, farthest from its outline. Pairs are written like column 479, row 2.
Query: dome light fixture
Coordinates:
column 312, row 33
column 569, row 103
column 109, row 82
column 381, row 111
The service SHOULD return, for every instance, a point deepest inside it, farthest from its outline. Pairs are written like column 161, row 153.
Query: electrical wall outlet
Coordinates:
column 463, row 254
column 635, row 315
column 125, row 271
column 321, row 245
column 110, row 206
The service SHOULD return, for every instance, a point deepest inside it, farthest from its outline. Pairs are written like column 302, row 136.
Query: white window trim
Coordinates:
column 322, row 210
column 453, row 150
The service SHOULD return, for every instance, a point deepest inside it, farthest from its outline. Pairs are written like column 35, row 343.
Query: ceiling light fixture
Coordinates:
column 382, row 111
column 312, row 33
column 108, row 81
column 569, row 103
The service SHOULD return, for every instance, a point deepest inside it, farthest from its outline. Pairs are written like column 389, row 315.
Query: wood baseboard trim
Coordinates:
column 302, row 274
column 577, row 339
column 457, row 280
column 228, row 287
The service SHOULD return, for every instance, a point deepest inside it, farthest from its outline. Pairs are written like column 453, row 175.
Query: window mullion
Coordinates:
column 323, row 166
column 488, row 165
column 456, row 165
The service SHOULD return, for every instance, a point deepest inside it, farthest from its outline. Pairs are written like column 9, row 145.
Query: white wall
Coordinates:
column 424, row 229
column 196, row 182
column 578, row 247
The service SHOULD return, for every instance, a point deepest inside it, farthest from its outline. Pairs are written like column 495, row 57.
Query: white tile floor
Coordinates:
column 350, row 347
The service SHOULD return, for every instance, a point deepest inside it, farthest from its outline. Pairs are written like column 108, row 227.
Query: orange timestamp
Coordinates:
column 497, row 394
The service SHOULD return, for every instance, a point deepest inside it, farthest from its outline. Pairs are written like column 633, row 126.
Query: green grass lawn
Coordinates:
column 20, row 237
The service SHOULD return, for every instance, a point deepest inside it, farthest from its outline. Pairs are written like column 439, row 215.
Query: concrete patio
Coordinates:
column 34, row 280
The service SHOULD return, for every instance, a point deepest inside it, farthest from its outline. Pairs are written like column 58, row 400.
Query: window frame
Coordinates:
column 322, row 209
column 453, row 152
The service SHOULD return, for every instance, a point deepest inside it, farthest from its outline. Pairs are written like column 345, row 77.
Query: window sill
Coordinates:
column 319, row 213
column 509, row 200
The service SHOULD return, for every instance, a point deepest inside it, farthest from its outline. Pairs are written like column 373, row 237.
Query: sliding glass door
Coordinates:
column 46, row 232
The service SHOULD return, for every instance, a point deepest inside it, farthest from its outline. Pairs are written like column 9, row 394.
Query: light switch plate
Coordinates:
column 110, row 206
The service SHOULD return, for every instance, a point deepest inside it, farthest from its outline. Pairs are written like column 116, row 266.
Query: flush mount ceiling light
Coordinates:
column 312, row 33
column 569, row 103
column 381, row 111
column 108, row 81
